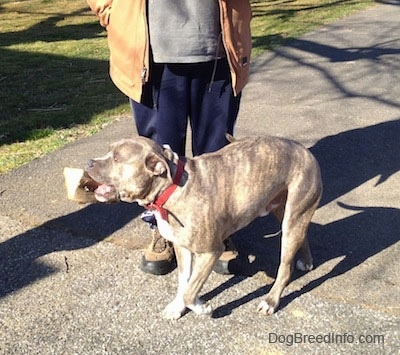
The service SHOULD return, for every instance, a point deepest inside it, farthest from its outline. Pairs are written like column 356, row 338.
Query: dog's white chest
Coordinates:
column 164, row 228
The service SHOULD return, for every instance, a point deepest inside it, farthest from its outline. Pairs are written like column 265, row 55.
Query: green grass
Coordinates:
column 54, row 83
column 275, row 22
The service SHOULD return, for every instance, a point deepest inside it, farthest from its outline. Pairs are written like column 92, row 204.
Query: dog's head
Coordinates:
column 133, row 170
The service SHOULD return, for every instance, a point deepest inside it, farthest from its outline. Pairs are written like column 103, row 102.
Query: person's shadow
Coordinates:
column 347, row 160
column 19, row 265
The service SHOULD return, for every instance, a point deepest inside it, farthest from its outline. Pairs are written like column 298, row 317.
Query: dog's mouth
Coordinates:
column 106, row 193
column 102, row 192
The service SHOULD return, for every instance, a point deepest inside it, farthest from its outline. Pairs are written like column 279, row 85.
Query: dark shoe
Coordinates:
column 228, row 262
column 159, row 257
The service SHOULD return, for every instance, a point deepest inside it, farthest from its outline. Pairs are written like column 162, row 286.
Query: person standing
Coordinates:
column 180, row 62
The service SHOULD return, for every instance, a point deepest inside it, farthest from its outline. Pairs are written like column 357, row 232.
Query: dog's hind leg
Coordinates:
column 294, row 230
column 305, row 261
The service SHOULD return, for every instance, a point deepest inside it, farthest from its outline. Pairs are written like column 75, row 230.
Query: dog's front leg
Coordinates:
column 184, row 258
column 202, row 266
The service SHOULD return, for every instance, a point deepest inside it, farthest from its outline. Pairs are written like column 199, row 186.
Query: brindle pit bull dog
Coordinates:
column 200, row 202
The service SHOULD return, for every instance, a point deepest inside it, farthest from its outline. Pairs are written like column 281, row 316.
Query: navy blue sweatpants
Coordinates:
column 178, row 93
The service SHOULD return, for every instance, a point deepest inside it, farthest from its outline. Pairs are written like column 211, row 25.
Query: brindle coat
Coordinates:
column 218, row 194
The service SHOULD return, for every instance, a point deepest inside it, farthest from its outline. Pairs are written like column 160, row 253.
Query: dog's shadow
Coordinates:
column 347, row 160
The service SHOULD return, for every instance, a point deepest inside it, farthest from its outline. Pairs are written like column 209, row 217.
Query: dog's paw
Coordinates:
column 200, row 308
column 265, row 308
column 302, row 266
column 174, row 310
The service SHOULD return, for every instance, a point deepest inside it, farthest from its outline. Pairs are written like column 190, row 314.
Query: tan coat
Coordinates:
column 128, row 41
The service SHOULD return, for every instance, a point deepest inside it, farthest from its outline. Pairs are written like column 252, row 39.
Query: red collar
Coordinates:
column 160, row 201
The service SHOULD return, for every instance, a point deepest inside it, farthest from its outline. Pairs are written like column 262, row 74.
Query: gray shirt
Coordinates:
column 184, row 31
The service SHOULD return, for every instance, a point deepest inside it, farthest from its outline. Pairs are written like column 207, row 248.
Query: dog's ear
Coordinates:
column 156, row 164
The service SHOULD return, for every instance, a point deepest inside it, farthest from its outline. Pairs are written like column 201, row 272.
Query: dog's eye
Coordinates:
column 116, row 157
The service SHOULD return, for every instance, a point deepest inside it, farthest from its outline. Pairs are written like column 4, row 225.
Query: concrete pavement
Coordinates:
column 69, row 276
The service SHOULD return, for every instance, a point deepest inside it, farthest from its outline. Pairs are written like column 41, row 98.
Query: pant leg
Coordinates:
column 214, row 108
column 162, row 114
column 178, row 91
